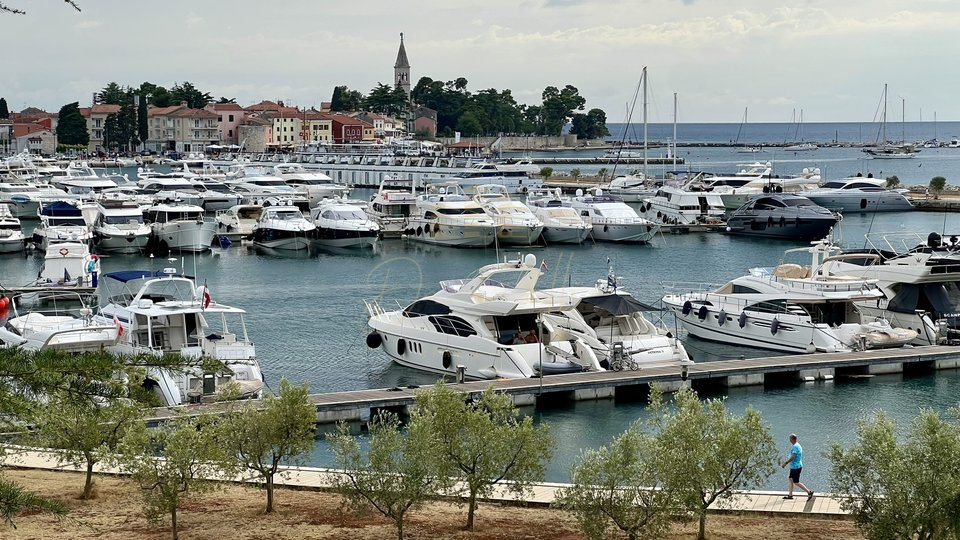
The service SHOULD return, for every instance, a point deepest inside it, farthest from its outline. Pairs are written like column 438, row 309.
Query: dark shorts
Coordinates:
column 795, row 474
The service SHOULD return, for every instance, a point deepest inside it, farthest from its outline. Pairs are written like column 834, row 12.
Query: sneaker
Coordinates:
column 809, row 494
column 788, row 496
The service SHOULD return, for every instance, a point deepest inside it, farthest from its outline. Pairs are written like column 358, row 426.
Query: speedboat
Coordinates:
column 782, row 215
column 518, row 226
column 858, row 194
column 180, row 227
column 340, row 224
column 490, row 328
column 391, row 210
column 165, row 312
column 119, row 227
column 611, row 321
column 446, row 216
column 12, row 239
column 60, row 222
column 675, row 206
column 790, row 308
column 613, row 220
column 561, row 223
column 238, row 221
column 283, row 227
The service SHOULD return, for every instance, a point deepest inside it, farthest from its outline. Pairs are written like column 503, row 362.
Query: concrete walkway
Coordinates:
column 543, row 493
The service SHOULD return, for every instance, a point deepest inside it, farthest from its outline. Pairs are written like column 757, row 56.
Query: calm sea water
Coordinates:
column 307, row 318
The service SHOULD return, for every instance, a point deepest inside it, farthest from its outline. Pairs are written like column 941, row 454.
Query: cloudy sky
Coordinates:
column 830, row 58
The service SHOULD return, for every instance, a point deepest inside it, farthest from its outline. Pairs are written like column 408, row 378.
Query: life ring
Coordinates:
column 702, row 313
column 721, row 317
column 774, row 326
column 743, row 319
column 687, row 306
column 64, row 252
column 374, row 340
column 401, row 346
column 447, row 359
column 524, row 190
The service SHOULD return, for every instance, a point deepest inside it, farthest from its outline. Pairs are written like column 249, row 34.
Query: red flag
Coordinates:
column 206, row 297
column 118, row 325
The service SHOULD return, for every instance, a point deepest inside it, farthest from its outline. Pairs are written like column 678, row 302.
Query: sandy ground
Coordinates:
column 236, row 513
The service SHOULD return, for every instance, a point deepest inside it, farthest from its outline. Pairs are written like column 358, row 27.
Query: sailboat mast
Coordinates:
column 644, row 121
column 903, row 119
column 674, row 153
column 884, row 117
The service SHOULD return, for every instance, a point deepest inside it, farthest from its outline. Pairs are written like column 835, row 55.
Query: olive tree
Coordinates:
column 619, row 487
column 482, row 442
column 937, row 183
column 706, row 453
column 85, row 431
column 395, row 475
column 893, row 182
column 902, row 489
column 171, row 463
column 546, row 173
column 260, row 439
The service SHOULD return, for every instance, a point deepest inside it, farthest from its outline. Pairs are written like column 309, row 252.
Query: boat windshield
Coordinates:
column 460, row 211
column 346, row 214
column 623, row 211
column 123, row 219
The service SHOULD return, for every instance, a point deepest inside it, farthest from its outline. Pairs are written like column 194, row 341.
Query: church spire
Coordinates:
column 401, row 69
column 402, row 61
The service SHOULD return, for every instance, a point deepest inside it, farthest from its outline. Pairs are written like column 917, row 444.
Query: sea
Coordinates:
column 307, row 317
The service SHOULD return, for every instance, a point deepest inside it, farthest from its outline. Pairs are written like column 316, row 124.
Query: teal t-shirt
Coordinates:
column 797, row 452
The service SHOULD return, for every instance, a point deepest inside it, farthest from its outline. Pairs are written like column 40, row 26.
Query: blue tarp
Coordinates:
column 60, row 209
column 130, row 275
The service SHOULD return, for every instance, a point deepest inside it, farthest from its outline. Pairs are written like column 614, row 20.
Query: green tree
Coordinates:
column 396, row 473
column 546, row 173
column 386, row 100
column 224, row 100
column 619, row 487
column 84, row 430
column 937, row 183
column 172, row 463
column 345, row 100
column 575, row 174
column 558, row 107
column 469, row 125
column 281, row 430
column 706, row 453
column 483, row 442
column 157, row 96
column 603, row 174
column 893, row 182
column 112, row 94
column 4, row 112
column 71, row 125
column 902, row 487
column 188, row 92
column 14, row 499
column 592, row 125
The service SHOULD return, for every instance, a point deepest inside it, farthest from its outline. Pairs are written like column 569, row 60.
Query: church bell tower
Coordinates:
column 401, row 69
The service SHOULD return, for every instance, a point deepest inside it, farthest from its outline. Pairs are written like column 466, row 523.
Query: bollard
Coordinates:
column 461, row 373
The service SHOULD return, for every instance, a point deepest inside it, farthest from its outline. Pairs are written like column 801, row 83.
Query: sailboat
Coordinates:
column 885, row 149
column 800, row 146
column 745, row 149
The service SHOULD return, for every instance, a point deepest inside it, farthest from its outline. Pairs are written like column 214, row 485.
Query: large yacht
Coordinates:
column 283, row 227
column 165, row 312
column 518, row 226
column 782, row 215
column 315, row 184
column 491, row 324
column 613, row 220
column 561, row 223
column 391, row 209
column 858, row 194
column 446, row 216
column 180, row 227
column 340, row 224
column 239, row 221
column 675, row 206
column 514, row 177
column 750, row 180
column 119, row 227
column 790, row 308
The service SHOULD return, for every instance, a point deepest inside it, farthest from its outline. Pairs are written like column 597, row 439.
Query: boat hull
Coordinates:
column 343, row 238
column 637, row 233
column 565, row 235
column 188, row 236
column 121, row 243
column 453, row 235
column 873, row 202
column 517, row 235
column 281, row 239
column 807, row 228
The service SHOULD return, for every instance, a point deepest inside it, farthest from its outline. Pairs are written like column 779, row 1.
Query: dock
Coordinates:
column 605, row 160
column 359, row 405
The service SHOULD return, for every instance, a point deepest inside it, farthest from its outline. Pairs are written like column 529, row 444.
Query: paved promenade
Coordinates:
column 313, row 478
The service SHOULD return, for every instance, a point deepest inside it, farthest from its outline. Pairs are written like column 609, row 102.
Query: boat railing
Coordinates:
column 723, row 301
column 602, row 220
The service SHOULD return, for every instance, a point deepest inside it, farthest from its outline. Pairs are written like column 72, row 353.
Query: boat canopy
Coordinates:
column 130, row 275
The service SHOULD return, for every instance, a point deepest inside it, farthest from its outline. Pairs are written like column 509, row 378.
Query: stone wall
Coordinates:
column 535, row 142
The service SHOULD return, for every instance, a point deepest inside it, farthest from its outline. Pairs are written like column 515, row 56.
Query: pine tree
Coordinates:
column 72, row 126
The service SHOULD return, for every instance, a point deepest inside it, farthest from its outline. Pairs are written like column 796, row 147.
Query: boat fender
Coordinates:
column 419, row 231
column 643, row 209
column 447, row 359
column 774, row 326
column 702, row 313
column 401, row 346
column 779, row 189
column 770, row 221
column 606, row 228
column 743, row 319
column 436, row 228
column 721, row 317
column 766, row 189
column 524, row 189
column 687, row 306
column 659, row 214
column 374, row 340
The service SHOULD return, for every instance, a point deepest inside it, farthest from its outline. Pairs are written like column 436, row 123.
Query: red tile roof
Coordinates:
column 225, row 107
column 19, row 130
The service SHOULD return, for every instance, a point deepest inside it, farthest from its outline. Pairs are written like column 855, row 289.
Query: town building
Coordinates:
column 347, row 129
column 181, row 128
column 34, row 138
column 96, row 117
column 424, row 121
column 255, row 133
column 319, row 126
column 229, row 118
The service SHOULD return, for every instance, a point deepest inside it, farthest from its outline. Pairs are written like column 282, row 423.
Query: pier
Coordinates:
column 359, row 405
column 605, row 160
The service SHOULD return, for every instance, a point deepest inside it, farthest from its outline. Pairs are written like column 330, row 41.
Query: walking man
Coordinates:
column 796, row 465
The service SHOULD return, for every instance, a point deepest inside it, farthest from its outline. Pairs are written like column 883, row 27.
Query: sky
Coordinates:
column 828, row 58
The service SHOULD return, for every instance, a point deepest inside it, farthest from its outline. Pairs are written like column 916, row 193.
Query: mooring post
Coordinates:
column 461, row 373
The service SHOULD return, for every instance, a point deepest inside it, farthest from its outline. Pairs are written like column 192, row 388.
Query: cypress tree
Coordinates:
column 72, row 126
column 4, row 112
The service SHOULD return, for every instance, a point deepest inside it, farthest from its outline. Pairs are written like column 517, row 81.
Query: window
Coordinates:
column 452, row 325
column 425, row 307
column 230, row 118
column 220, row 118
column 229, row 133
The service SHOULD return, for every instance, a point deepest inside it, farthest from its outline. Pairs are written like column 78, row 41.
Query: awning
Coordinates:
column 618, row 304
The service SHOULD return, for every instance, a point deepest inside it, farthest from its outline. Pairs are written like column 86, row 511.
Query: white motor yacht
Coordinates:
column 492, row 324
column 561, row 223
column 676, row 206
column 630, row 188
column 315, row 184
column 514, row 177
column 68, row 265
column 12, row 239
column 790, row 308
column 165, row 312
column 613, row 220
column 180, row 227
column 340, row 224
column 446, row 216
column 283, row 227
column 120, row 227
column 517, row 225
column 65, row 325
column 391, row 210
column 238, row 221
column 60, row 222
column 858, row 194
column 751, row 180
column 21, row 198
column 213, row 195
